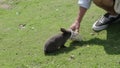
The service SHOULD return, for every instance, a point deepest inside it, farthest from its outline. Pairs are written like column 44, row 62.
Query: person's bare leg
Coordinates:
column 107, row 5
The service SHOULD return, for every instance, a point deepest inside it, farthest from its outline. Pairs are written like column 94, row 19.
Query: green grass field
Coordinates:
column 25, row 25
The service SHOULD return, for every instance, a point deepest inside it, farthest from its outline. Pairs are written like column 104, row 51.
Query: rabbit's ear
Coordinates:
column 63, row 30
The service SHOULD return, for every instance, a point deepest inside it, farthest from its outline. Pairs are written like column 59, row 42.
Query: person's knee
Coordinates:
column 104, row 3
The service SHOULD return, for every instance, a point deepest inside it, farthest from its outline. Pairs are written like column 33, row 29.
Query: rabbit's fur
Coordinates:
column 56, row 42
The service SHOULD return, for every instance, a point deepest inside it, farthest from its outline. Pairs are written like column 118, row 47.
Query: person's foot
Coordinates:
column 104, row 21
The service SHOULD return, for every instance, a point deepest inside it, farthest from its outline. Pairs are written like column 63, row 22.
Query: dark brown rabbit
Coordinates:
column 56, row 42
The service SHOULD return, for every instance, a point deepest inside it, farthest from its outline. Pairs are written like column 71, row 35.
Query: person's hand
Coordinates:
column 75, row 26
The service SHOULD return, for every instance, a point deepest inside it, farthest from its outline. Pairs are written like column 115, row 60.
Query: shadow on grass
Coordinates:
column 111, row 44
column 113, row 39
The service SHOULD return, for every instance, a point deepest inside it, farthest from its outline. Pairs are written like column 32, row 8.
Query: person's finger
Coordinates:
column 73, row 28
column 77, row 30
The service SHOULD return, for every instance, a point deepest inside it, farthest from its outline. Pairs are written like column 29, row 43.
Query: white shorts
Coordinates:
column 84, row 3
column 117, row 6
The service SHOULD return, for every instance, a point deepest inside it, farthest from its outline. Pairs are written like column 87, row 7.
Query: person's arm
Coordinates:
column 76, row 25
column 84, row 5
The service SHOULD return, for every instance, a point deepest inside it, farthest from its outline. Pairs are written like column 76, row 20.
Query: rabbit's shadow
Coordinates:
column 63, row 50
